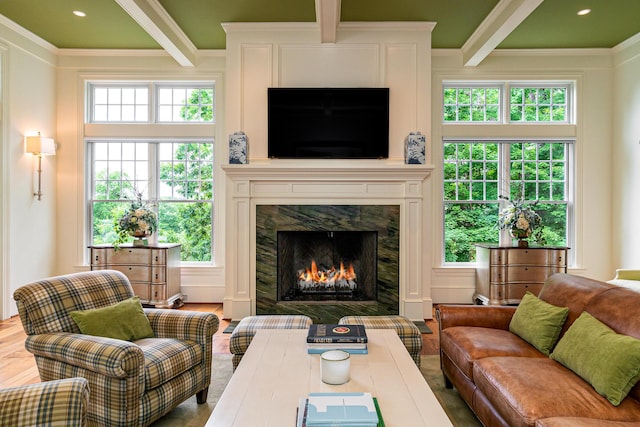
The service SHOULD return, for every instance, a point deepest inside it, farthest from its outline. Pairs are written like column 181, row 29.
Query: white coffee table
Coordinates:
column 276, row 372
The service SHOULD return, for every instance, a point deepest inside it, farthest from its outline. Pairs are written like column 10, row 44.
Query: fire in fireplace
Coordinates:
column 315, row 280
column 325, row 266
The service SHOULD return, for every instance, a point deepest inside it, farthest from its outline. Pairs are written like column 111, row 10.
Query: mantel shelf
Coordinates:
column 328, row 170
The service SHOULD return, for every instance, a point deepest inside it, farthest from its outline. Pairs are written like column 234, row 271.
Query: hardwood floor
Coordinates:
column 18, row 367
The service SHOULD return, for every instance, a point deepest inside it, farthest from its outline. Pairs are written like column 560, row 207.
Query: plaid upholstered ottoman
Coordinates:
column 407, row 330
column 243, row 333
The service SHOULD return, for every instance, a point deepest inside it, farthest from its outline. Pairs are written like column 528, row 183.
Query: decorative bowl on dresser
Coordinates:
column 153, row 270
column 505, row 273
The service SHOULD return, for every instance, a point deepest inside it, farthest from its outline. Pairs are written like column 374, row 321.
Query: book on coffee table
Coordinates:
column 345, row 348
column 330, row 333
column 338, row 410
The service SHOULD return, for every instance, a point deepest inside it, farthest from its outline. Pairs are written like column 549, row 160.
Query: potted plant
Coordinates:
column 520, row 219
column 138, row 221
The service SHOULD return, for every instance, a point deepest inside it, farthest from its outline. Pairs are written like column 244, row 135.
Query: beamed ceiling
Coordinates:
column 182, row 27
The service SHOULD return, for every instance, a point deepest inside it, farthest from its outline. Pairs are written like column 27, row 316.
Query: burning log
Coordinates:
column 316, row 279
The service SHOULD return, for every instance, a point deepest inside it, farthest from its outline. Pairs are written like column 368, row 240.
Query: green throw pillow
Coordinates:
column 610, row 362
column 124, row 321
column 538, row 322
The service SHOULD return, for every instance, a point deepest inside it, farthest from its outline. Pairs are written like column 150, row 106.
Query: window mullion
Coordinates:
column 154, row 173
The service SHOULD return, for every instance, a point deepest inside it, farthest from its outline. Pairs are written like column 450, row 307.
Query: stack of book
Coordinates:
column 325, row 337
column 339, row 410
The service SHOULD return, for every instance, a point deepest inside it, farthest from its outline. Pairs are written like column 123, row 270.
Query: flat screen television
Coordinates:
column 321, row 123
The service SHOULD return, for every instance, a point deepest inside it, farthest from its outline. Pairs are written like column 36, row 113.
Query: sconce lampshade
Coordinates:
column 40, row 146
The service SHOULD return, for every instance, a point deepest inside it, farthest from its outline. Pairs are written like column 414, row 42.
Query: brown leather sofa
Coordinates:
column 507, row 382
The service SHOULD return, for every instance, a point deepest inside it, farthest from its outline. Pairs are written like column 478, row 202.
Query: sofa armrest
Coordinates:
column 627, row 274
column 182, row 324
column 59, row 402
column 106, row 356
column 495, row 317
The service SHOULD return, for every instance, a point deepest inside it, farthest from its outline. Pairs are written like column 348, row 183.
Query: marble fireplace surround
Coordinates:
column 326, row 182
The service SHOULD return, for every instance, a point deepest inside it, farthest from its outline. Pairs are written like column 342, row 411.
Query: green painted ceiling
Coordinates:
column 554, row 24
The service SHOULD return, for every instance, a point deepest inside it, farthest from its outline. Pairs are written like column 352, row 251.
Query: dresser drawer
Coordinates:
column 515, row 291
column 99, row 258
column 158, row 274
column 158, row 257
column 527, row 256
column 519, row 273
column 557, row 258
column 129, row 256
column 141, row 290
column 135, row 273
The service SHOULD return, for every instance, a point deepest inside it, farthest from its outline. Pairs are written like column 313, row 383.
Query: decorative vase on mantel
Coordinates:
column 522, row 236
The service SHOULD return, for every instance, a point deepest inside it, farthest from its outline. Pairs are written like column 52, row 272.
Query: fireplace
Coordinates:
column 327, row 265
column 384, row 196
column 327, row 261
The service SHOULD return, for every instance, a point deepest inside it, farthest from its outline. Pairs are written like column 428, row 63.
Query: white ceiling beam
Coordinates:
column 500, row 22
column 155, row 20
column 328, row 17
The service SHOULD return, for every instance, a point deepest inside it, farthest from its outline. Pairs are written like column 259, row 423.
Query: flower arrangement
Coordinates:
column 138, row 221
column 519, row 218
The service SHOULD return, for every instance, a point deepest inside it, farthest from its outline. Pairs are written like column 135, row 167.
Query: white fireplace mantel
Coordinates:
column 327, row 182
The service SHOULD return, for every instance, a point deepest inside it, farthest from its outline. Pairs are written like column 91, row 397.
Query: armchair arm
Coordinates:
column 627, row 274
column 59, row 402
column 181, row 324
column 496, row 317
column 106, row 356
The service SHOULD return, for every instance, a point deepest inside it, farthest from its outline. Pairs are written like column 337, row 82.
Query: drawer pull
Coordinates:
column 156, row 276
column 156, row 258
column 97, row 258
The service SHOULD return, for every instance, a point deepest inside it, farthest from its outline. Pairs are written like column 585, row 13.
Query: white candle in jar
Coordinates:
column 334, row 367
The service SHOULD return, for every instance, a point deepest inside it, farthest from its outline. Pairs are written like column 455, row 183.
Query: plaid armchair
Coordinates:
column 54, row 403
column 132, row 383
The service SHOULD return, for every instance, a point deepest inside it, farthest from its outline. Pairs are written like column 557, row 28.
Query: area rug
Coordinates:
column 190, row 414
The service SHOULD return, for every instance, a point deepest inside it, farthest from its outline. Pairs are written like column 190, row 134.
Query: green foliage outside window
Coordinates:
column 185, row 186
column 472, row 179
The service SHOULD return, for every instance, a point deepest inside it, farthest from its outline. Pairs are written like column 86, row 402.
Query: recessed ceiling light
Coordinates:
column 584, row 12
column 79, row 13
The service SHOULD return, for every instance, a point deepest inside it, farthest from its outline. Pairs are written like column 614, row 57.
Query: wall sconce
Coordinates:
column 40, row 146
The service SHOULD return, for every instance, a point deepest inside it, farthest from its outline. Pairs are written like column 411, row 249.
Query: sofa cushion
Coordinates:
column 166, row 358
column 523, row 390
column 124, row 321
column 538, row 323
column 610, row 362
column 466, row 344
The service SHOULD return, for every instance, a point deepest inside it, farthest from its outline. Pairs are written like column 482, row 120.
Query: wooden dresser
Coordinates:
column 154, row 270
column 504, row 274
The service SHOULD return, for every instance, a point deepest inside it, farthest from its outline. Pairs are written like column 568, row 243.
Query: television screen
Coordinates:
column 339, row 123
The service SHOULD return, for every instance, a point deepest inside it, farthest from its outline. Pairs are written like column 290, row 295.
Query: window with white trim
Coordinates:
column 172, row 174
column 479, row 173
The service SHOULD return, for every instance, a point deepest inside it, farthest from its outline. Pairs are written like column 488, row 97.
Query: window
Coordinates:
column 180, row 104
column 471, row 104
column 174, row 174
column 181, row 191
column 479, row 173
column 527, row 103
column 475, row 178
column 539, row 104
column 120, row 104
column 174, row 103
